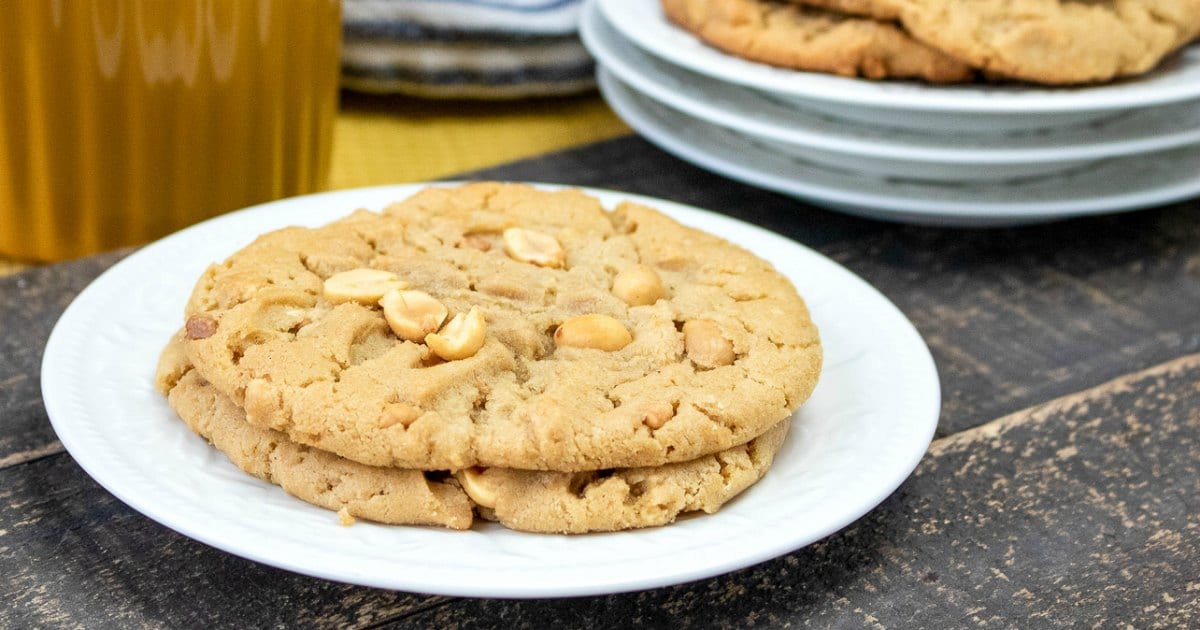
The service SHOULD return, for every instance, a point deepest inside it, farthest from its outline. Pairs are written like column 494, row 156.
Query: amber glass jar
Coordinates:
column 124, row 120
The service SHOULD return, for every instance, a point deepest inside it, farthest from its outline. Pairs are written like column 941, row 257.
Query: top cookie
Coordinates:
column 609, row 339
column 1052, row 41
column 807, row 38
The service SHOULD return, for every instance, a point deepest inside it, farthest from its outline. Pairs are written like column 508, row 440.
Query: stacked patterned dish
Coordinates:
column 463, row 48
column 967, row 154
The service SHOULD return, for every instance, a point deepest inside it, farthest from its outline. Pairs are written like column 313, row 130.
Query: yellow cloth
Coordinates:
column 391, row 139
column 394, row 139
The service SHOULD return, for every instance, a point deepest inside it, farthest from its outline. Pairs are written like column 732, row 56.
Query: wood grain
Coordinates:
column 71, row 555
column 30, row 303
column 1018, row 316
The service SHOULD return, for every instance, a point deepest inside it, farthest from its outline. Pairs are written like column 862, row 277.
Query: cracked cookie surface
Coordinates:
column 813, row 39
column 335, row 376
column 535, row 501
column 885, row 10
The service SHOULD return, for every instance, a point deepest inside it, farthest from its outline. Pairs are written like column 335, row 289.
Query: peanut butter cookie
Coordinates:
column 1042, row 41
column 504, row 326
column 1054, row 41
column 533, row 501
column 622, row 498
column 790, row 35
column 386, row 495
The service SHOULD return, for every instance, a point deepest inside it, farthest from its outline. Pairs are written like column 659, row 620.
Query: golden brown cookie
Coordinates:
column 611, row 500
column 806, row 38
column 385, row 495
column 568, row 337
column 1043, row 41
column 533, row 501
column 1054, row 41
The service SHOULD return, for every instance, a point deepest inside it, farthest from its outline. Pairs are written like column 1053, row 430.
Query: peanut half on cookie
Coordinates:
column 492, row 331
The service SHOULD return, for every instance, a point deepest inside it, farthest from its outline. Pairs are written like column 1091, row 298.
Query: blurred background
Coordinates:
column 437, row 87
column 174, row 112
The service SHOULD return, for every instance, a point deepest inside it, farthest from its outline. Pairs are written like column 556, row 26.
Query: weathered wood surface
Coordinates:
column 30, row 303
column 72, row 555
column 1061, row 496
column 1079, row 512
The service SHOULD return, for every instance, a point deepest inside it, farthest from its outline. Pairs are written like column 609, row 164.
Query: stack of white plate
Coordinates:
column 947, row 155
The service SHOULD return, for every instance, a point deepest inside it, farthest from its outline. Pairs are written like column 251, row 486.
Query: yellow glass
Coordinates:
column 124, row 120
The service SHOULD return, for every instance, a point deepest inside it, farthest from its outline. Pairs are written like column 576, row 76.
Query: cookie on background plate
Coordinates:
column 789, row 35
column 500, row 325
column 1054, row 41
column 533, row 501
column 1042, row 41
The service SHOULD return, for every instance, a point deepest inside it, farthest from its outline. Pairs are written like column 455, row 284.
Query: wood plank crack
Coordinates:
column 434, row 602
column 23, row 457
column 1040, row 412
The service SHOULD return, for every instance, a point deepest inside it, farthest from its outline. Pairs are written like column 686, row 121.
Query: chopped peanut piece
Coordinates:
column 461, row 338
column 473, row 483
column 638, row 285
column 705, row 345
column 413, row 314
column 593, row 331
column 657, row 414
column 399, row 413
column 533, row 247
column 200, row 327
column 365, row 286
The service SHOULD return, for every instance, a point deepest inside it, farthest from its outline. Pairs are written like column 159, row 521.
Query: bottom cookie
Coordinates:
column 534, row 501
column 624, row 498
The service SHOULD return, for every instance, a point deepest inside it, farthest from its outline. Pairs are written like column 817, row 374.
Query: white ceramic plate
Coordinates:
column 1108, row 186
column 882, row 150
column 864, row 430
column 974, row 107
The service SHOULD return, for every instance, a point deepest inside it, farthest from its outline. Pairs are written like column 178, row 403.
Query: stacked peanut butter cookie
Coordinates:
column 498, row 351
column 947, row 41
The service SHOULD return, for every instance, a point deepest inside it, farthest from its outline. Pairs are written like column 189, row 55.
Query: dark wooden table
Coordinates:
column 1063, row 488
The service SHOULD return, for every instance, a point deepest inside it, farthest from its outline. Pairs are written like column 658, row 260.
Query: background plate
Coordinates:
column 759, row 114
column 912, row 104
column 864, row 430
column 1114, row 185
